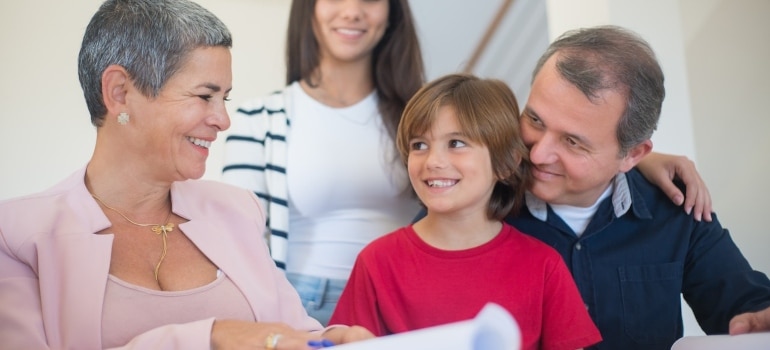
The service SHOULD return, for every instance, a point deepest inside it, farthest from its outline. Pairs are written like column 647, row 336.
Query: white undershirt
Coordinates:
column 346, row 185
column 578, row 218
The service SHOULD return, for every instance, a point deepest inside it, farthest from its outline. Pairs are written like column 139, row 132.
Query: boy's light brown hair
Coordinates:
column 488, row 114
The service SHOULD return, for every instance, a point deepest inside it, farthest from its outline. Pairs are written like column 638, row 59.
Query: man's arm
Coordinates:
column 720, row 285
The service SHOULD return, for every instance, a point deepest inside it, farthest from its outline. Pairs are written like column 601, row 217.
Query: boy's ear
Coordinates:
column 115, row 81
column 635, row 155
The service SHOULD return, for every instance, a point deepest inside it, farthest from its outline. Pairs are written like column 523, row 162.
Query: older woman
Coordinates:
column 128, row 251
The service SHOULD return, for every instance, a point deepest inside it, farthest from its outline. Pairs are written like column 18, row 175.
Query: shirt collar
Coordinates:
column 621, row 199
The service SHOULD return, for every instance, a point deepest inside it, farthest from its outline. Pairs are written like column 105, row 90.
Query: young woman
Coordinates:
column 320, row 152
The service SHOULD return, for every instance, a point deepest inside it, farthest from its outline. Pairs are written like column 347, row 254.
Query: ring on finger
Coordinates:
column 271, row 342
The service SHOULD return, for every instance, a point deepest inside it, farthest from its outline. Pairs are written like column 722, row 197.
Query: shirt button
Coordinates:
column 578, row 246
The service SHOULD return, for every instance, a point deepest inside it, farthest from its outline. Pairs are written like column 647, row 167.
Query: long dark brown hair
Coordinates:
column 397, row 67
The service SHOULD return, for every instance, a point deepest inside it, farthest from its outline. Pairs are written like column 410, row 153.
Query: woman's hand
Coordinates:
column 232, row 334
column 661, row 169
column 344, row 334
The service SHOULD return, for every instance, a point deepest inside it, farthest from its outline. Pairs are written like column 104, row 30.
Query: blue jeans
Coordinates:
column 319, row 295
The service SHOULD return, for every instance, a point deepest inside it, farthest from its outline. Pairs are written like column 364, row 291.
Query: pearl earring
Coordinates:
column 123, row 118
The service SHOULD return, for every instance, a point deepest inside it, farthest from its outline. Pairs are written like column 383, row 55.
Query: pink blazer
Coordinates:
column 53, row 268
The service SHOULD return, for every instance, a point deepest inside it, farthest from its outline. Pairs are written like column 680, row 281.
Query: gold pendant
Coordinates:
column 158, row 229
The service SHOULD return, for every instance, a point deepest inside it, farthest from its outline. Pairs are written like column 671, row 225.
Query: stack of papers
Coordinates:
column 492, row 329
column 754, row 341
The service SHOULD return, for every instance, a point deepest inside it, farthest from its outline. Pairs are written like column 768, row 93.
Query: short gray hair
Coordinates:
column 611, row 57
column 151, row 39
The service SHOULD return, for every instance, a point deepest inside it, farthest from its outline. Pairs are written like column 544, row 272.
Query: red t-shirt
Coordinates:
column 400, row 283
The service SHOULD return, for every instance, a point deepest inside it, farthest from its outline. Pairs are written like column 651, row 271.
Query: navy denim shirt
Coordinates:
column 638, row 253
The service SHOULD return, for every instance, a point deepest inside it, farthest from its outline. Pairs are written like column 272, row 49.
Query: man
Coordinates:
column 595, row 101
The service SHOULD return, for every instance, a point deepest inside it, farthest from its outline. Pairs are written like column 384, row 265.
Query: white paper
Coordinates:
column 753, row 341
column 492, row 329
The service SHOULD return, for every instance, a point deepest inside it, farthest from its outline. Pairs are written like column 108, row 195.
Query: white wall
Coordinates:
column 728, row 52
column 45, row 129
column 445, row 38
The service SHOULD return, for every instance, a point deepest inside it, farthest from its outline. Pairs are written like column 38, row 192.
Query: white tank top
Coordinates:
column 346, row 184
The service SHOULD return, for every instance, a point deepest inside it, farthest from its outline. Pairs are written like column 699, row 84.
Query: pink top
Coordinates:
column 130, row 309
column 54, row 269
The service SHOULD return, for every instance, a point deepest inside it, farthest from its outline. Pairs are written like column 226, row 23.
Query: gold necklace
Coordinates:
column 161, row 230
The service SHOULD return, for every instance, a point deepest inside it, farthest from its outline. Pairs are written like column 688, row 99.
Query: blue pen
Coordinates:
column 325, row 343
